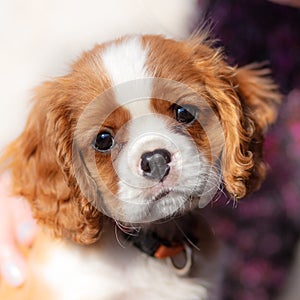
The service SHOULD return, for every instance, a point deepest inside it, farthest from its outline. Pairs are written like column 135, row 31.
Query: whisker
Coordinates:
column 117, row 237
column 186, row 237
column 127, row 229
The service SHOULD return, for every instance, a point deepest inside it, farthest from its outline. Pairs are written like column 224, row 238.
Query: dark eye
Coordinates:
column 103, row 142
column 185, row 114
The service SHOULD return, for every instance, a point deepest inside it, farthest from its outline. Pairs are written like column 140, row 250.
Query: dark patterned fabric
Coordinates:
column 259, row 30
column 262, row 231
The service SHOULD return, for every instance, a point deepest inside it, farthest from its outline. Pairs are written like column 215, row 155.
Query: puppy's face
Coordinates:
column 152, row 141
column 152, row 156
column 142, row 128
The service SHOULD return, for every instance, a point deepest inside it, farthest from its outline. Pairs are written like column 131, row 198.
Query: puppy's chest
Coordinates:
column 109, row 271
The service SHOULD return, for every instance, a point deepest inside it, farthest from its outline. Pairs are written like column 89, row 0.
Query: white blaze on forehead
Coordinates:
column 125, row 64
column 125, row 60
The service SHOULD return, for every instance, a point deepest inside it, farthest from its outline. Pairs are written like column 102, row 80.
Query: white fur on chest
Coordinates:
column 108, row 271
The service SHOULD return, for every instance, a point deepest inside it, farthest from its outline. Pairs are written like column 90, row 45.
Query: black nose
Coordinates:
column 155, row 164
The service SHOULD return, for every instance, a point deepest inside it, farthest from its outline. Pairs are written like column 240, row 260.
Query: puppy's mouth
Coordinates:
column 161, row 194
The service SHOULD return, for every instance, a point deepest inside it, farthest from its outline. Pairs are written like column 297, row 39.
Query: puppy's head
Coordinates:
column 141, row 129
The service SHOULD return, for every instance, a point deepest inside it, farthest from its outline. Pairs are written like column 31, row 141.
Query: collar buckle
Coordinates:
column 188, row 261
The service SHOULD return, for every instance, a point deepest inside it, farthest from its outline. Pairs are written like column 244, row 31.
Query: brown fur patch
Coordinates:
column 175, row 61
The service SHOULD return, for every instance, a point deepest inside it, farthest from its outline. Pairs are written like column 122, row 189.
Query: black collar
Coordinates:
column 150, row 243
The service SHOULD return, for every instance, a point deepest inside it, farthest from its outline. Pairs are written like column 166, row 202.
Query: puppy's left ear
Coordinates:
column 258, row 97
column 259, row 93
column 43, row 171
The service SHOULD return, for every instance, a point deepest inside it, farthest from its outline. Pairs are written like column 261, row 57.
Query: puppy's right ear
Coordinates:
column 254, row 106
column 40, row 161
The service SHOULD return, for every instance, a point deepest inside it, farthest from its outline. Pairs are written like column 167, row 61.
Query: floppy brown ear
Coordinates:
column 255, row 105
column 40, row 161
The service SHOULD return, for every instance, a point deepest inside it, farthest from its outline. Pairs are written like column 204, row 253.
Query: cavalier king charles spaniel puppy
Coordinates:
column 119, row 155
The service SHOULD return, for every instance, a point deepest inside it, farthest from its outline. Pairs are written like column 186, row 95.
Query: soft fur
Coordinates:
column 245, row 101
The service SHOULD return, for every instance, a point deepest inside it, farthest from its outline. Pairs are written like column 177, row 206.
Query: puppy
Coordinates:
column 119, row 155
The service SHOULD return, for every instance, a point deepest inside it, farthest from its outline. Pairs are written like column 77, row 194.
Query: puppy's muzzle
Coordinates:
column 155, row 164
